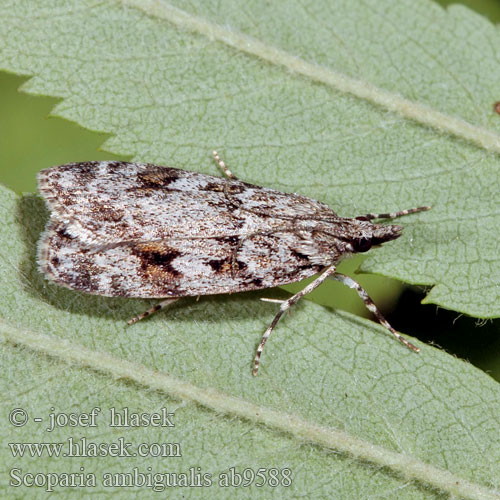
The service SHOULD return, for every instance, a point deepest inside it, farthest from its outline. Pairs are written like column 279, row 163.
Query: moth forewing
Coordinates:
column 143, row 230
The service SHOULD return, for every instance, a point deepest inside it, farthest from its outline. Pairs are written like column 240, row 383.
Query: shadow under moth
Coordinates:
column 142, row 230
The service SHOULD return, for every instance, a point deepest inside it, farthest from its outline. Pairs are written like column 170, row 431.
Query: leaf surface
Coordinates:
column 337, row 402
column 367, row 106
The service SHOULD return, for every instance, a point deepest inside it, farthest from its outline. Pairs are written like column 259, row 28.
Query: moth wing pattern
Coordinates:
column 139, row 230
column 142, row 230
column 114, row 202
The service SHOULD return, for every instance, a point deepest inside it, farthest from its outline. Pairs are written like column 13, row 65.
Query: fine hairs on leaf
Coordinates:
column 367, row 106
column 305, row 127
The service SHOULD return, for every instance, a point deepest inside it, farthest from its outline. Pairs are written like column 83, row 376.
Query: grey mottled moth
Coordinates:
column 142, row 230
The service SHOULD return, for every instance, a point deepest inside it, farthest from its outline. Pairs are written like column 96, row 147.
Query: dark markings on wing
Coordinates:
column 156, row 259
column 140, row 230
column 111, row 202
column 175, row 268
column 155, row 178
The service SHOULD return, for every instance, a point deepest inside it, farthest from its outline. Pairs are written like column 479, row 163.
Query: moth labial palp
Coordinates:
column 142, row 230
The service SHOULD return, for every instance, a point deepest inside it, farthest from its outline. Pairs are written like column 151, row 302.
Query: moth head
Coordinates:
column 379, row 234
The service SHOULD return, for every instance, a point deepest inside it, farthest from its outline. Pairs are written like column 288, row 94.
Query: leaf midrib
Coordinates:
column 412, row 110
column 408, row 467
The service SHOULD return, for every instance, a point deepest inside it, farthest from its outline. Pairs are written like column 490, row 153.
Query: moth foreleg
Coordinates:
column 285, row 305
column 392, row 215
column 223, row 166
column 151, row 311
column 370, row 305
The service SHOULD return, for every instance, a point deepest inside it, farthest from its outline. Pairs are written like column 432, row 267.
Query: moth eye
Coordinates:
column 362, row 245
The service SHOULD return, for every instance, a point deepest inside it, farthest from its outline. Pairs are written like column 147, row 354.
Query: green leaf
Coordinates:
column 338, row 402
column 367, row 106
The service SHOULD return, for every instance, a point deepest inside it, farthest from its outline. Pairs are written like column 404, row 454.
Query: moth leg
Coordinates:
column 151, row 311
column 392, row 215
column 346, row 280
column 286, row 304
column 274, row 301
column 223, row 166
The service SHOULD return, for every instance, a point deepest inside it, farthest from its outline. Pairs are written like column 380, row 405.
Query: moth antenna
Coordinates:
column 393, row 215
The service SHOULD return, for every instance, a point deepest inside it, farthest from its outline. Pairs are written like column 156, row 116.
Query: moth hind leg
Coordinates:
column 150, row 311
column 223, row 166
column 393, row 215
column 370, row 305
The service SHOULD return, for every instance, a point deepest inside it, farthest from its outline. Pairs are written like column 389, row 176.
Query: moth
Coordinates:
column 142, row 230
